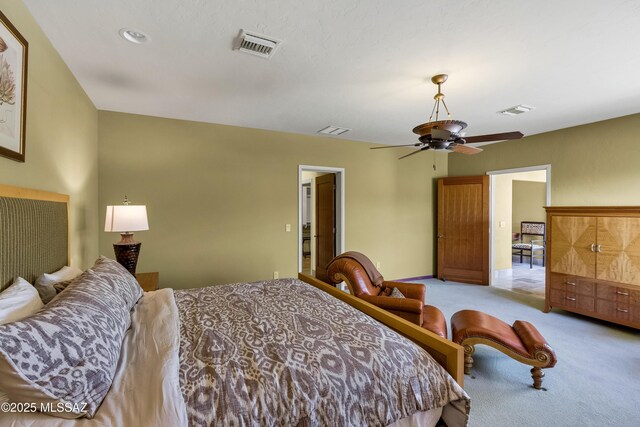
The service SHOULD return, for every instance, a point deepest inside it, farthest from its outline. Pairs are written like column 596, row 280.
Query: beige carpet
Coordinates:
column 596, row 381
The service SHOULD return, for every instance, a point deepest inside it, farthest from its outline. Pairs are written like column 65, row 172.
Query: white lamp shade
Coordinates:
column 126, row 218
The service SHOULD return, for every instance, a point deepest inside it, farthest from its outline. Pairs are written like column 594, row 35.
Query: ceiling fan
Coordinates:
column 446, row 134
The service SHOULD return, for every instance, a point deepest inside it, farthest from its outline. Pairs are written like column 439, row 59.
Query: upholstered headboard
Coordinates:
column 34, row 233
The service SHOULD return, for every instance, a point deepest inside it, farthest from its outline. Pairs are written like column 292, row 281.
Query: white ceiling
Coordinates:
column 364, row 65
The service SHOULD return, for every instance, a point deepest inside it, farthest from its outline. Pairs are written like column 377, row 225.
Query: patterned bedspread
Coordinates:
column 283, row 353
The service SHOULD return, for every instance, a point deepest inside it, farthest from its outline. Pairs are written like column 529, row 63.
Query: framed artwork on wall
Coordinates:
column 13, row 90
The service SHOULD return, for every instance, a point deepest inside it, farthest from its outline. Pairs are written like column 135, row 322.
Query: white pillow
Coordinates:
column 18, row 301
column 45, row 283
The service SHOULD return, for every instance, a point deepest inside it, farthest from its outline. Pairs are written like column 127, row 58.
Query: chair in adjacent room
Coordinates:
column 366, row 283
column 532, row 240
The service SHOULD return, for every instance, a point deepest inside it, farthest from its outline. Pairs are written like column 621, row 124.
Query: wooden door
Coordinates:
column 573, row 245
column 463, row 229
column 325, row 224
column 618, row 250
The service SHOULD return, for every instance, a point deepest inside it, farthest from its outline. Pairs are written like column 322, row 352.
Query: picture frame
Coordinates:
column 14, row 51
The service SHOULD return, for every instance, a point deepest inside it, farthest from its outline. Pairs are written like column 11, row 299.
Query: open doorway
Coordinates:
column 321, row 218
column 517, row 220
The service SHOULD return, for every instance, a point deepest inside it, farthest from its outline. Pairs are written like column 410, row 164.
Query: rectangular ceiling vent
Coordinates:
column 518, row 109
column 333, row 130
column 257, row 44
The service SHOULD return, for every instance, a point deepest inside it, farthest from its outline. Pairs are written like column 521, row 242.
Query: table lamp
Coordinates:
column 125, row 219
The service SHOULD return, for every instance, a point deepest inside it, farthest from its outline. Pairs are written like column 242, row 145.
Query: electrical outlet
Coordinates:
column 275, row 275
column 287, row 228
column 378, row 265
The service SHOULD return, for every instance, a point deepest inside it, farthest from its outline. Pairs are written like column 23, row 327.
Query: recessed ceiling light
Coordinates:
column 134, row 36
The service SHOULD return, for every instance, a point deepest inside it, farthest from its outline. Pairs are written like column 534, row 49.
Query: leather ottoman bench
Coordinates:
column 521, row 342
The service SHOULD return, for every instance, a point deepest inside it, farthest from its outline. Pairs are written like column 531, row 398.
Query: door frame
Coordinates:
column 340, row 210
column 492, row 175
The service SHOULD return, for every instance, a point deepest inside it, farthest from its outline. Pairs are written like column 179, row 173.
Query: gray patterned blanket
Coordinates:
column 283, row 353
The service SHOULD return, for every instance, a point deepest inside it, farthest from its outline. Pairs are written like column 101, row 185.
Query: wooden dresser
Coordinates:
column 593, row 262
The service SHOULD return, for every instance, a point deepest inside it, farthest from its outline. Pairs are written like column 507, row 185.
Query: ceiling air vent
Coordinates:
column 333, row 130
column 518, row 109
column 257, row 44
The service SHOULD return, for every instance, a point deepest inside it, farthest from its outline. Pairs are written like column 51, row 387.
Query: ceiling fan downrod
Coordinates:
column 439, row 80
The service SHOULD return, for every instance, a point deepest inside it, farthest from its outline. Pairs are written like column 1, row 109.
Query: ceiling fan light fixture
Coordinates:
column 448, row 135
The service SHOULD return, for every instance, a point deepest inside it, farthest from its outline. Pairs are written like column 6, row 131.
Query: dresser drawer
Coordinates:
column 582, row 302
column 609, row 291
column 614, row 309
column 572, row 300
column 557, row 297
column 572, row 284
column 583, row 287
column 559, row 281
column 634, row 313
column 562, row 282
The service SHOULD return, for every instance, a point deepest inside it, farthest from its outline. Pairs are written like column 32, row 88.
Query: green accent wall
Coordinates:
column 596, row 164
column 61, row 136
column 218, row 198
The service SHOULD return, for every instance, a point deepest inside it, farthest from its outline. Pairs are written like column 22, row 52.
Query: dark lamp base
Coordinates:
column 127, row 251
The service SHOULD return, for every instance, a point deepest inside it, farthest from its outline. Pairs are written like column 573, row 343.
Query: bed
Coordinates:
column 283, row 352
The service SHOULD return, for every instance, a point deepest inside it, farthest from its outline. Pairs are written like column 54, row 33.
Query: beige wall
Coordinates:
column 61, row 145
column 535, row 176
column 512, row 204
column 219, row 197
column 595, row 164
column 529, row 199
column 502, row 212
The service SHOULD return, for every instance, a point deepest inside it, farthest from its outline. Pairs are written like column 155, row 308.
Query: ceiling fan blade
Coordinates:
column 493, row 137
column 415, row 152
column 417, row 144
column 464, row 149
column 440, row 134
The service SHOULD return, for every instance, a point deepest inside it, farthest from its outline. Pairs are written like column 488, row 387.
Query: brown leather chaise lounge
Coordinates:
column 522, row 341
column 365, row 282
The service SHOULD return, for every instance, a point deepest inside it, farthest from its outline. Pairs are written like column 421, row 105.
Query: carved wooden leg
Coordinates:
column 468, row 360
column 537, row 375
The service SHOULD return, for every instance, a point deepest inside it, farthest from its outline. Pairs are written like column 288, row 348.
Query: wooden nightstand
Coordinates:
column 148, row 281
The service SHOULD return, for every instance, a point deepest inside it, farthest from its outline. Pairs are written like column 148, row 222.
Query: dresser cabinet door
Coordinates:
column 572, row 238
column 619, row 250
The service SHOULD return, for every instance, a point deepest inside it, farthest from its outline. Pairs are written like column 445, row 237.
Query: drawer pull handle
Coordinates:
column 571, row 283
column 571, row 299
column 622, row 310
column 622, row 293
column 593, row 247
column 599, row 248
